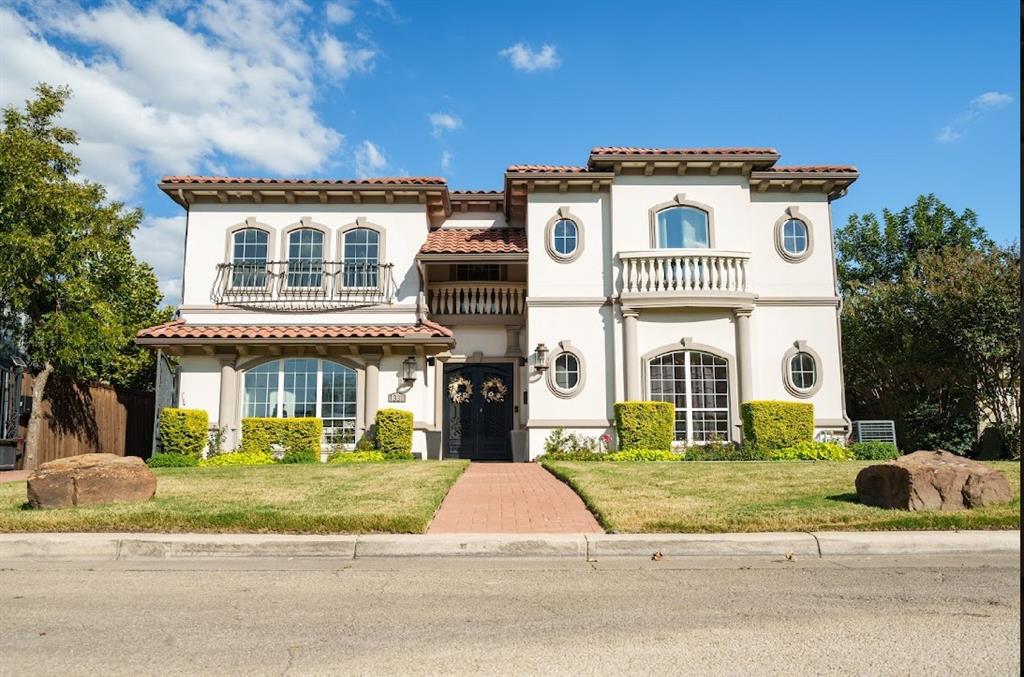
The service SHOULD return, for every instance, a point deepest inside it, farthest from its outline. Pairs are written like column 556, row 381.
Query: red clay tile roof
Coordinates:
column 472, row 193
column 796, row 169
column 560, row 169
column 383, row 180
column 476, row 241
column 179, row 329
column 631, row 150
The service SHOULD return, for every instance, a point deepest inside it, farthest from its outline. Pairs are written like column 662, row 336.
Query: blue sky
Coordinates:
column 922, row 97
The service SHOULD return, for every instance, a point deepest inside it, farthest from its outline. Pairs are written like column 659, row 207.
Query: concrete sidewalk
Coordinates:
column 580, row 546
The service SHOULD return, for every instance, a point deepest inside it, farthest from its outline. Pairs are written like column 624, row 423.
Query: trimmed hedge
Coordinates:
column 770, row 424
column 300, row 437
column 723, row 452
column 237, row 458
column 644, row 425
column 573, row 455
column 394, row 433
column 643, row 455
column 183, row 431
column 810, row 451
column 172, row 461
column 345, row 457
column 874, row 451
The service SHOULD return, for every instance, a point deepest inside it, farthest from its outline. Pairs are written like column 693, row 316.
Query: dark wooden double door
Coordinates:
column 478, row 409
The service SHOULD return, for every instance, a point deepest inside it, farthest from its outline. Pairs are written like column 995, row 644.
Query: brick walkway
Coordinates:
column 13, row 475
column 492, row 498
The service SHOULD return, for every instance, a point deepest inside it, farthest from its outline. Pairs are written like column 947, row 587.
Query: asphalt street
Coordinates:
column 738, row 616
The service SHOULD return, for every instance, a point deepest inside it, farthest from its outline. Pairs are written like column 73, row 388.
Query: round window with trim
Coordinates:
column 565, row 378
column 794, row 237
column 565, row 237
column 803, row 371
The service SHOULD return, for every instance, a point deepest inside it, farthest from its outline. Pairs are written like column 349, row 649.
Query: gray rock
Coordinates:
column 932, row 480
column 90, row 479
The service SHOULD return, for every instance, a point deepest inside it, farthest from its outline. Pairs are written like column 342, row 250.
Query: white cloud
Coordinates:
column 370, row 160
column 978, row 106
column 339, row 12
column 160, row 241
column 443, row 122
column 524, row 58
column 343, row 59
column 446, row 160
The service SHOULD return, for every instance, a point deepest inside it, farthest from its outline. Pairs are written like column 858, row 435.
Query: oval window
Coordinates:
column 567, row 371
column 565, row 236
column 794, row 237
column 802, row 371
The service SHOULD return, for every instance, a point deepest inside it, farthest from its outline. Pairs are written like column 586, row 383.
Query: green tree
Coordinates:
column 72, row 294
column 912, row 351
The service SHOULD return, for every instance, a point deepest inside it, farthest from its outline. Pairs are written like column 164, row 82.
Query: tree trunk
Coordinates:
column 36, row 418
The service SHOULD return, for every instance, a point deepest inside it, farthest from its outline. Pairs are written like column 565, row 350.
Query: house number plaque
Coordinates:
column 396, row 397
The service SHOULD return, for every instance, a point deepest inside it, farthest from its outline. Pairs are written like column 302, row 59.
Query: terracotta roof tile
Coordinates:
column 632, row 150
column 179, row 329
column 473, row 193
column 475, row 241
column 378, row 181
column 561, row 169
column 796, row 169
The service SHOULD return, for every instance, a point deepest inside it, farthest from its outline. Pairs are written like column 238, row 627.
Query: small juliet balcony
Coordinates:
column 303, row 285
column 685, row 277
column 477, row 299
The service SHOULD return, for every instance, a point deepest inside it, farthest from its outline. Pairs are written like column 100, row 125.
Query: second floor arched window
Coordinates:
column 683, row 227
column 361, row 257
column 305, row 258
column 249, row 247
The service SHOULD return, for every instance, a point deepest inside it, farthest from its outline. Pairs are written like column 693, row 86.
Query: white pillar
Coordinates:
column 743, row 359
column 630, row 355
column 372, row 394
column 228, row 402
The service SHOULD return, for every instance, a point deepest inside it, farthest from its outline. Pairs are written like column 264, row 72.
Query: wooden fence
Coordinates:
column 90, row 418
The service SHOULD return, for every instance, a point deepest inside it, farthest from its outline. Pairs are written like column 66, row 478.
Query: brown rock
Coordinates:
column 90, row 479
column 932, row 480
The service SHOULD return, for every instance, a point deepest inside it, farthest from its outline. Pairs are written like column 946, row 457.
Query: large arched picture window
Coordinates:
column 361, row 257
column 697, row 385
column 302, row 387
column 682, row 227
column 249, row 258
column 305, row 258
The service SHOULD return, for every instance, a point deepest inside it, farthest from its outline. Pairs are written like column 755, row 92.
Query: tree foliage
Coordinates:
column 72, row 294
column 930, row 325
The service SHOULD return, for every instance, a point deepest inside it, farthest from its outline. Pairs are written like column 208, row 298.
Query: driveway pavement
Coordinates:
column 14, row 475
column 743, row 616
column 494, row 498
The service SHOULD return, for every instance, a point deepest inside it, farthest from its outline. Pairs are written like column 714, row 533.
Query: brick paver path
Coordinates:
column 492, row 498
column 13, row 475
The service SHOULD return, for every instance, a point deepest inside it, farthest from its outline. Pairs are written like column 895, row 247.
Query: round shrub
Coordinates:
column 642, row 455
column 238, row 458
column 172, row 461
column 874, row 451
column 810, row 451
column 344, row 457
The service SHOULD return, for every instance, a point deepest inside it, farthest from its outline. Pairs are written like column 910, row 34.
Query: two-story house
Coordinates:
column 701, row 277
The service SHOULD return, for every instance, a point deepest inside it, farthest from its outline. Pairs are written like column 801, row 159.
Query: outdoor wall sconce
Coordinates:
column 540, row 357
column 409, row 369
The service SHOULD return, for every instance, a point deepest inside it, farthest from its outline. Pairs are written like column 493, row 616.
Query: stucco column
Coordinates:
column 228, row 402
column 744, row 361
column 372, row 394
column 630, row 355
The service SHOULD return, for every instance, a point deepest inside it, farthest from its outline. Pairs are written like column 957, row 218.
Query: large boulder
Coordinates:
column 932, row 480
column 90, row 479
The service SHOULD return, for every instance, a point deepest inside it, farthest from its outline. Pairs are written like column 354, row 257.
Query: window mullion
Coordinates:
column 689, row 397
column 280, row 389
column 319, row 388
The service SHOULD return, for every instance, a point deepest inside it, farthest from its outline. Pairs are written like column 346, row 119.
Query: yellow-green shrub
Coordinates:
column 770, row 424
column 394, row 433
column 183, row 431
column 642, row 455
column 644, row 425
column 300, row 437
column 343, row 457
column 810, row 451
column 238, row 458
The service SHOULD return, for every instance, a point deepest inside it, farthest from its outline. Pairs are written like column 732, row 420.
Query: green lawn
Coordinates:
column 774, row 496
column 360, row 498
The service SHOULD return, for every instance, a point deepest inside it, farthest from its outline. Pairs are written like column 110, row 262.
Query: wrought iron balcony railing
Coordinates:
column 303, row 285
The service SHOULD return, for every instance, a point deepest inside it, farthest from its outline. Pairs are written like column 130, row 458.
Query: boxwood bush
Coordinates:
column 172, row 461
column 237, row 458
column 183, row 431
column 642, row 455
column 810, row 451
column 721, row 451
column 344, row 457
column 769, row 424
column 394, row 433
column 644, row 425
column 874, row 451
column 300, row 437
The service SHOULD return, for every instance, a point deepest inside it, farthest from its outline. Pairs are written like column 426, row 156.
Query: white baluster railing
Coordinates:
column 476, row 298
column 684, row 271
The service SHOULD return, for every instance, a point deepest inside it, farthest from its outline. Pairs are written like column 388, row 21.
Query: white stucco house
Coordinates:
column 704, row 277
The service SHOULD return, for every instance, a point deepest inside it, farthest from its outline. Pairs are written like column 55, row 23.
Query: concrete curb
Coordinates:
column 79, row 547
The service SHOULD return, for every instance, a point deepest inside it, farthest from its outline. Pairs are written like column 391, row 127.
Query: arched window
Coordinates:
column 794, row 237
column 803, row 373
column 682, row 227
column 305, row 258
column 301, row 388
column 361, row 257
column 697, row 385
column 564, row 237
column 249, row 258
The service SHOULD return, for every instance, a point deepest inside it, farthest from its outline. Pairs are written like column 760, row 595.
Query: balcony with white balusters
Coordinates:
column 684, row 277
